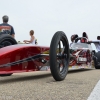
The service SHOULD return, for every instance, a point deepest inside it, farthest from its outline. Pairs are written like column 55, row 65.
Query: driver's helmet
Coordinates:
column 85, row 37
column 73, row 37
column 83, row 40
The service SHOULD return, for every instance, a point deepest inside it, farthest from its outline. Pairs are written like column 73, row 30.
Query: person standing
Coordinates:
column 5, row 27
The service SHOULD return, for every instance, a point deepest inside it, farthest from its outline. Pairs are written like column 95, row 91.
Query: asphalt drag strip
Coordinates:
column 78, row 85
column 95, row 94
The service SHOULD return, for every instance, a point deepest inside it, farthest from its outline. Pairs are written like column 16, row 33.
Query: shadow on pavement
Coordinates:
column 21, row 77
column 78, row 71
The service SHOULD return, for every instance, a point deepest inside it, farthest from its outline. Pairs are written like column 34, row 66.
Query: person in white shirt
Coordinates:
column 32, row 39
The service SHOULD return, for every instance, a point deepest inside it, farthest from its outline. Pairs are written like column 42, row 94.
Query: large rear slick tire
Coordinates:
column 59, row 56
column 6, row 40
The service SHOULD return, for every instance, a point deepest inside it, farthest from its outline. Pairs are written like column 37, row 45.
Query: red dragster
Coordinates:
column 16, row 58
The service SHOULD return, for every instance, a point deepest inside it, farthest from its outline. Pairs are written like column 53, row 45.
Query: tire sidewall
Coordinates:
column 7, row 37
column 53, row 56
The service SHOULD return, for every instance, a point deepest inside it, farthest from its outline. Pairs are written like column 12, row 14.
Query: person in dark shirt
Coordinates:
column 5, row 27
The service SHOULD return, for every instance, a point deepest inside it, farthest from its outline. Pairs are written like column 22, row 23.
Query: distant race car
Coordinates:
column 16, row 58
column 81, row 55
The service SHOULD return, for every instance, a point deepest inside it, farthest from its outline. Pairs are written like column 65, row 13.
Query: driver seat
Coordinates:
column 83, row 40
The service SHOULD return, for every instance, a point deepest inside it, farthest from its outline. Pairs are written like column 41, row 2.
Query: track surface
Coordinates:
column 78, row 85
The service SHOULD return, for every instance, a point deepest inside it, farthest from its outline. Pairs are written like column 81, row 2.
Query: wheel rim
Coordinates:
column 61, row 57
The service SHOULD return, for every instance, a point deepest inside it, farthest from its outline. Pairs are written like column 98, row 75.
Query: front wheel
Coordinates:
column 59, row 56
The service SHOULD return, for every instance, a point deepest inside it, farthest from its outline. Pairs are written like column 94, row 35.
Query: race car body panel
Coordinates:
column 26, row 57
column 22, row 57
column 81, row 56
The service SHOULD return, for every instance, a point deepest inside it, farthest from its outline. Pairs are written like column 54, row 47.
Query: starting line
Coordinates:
column 95, row 94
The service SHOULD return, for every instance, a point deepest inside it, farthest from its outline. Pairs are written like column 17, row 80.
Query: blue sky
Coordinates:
column 46, row 17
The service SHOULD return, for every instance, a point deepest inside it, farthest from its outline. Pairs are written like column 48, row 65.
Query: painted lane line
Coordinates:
column 95, row 94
